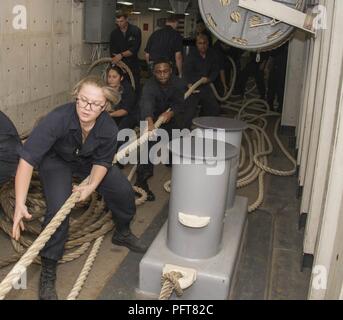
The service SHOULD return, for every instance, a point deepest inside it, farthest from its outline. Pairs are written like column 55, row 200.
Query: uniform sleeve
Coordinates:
column 148, row 45
column 147, row 103
column 221, row 58
column 42, row 139
column 188, row 70
column 178, row 103
column 6, row 126
column 128, row 101
column 214, row 71
column 178, row 43
column 135, row 45
column 104, row 154
column 9, row 148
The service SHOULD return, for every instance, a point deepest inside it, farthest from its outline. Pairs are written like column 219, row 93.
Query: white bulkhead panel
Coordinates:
column 42, row 55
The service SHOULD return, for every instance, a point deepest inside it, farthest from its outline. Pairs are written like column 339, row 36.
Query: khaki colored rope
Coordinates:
column 170, row 282
column 85, row 271
column 269, row 151
column 31, row 254
column 78, row 223
column 232, row 86
column 242, row 158
column 134, row 145
column 91, row 228
column 68, row 257
column 167, row 187
column 194, row 87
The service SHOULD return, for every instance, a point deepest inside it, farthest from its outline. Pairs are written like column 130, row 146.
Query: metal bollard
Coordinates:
column 201, row 169
column 233, row 130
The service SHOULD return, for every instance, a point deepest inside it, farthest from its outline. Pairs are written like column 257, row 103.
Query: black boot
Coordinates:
column 47, row 290
column 129, row 240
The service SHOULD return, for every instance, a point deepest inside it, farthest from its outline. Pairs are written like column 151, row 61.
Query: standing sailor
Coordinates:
column 201, row 63
column 166, row 43
column 125, row 43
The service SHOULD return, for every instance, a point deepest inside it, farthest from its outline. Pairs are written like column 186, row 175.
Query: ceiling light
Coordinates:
column 187, row 14
column 135, row 12
column 170, row 11
column 125, row 3
column 154, row 9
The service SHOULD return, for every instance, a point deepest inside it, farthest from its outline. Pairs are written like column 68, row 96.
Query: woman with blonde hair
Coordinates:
column 75, row 139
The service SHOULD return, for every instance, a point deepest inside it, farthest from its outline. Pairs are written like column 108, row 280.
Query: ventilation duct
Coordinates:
column 179, row 6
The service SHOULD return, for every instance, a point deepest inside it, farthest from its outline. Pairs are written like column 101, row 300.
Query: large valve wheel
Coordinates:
column 245, row 29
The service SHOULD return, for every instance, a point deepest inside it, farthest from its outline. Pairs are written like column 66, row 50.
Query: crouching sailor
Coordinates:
column 162, row 92
column 76, row 139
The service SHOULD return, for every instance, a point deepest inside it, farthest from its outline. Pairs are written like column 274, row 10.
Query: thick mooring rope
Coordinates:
column 170, row 282
column 85, row 270
column 232, row 85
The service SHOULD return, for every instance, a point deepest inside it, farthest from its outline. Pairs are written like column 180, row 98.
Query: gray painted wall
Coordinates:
column 39, row 64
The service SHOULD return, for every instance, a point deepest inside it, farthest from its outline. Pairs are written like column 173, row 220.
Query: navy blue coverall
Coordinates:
column 9, row 148
column 55, row 148
column 196, row 67
column 157, row 99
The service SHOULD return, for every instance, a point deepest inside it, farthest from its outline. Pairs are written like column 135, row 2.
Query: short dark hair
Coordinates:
column 120, row 14
column 163, row 60
column 202, row 35
column 115, row 68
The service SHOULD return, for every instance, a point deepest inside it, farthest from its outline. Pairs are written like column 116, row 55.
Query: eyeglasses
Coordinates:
column 83, row 103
